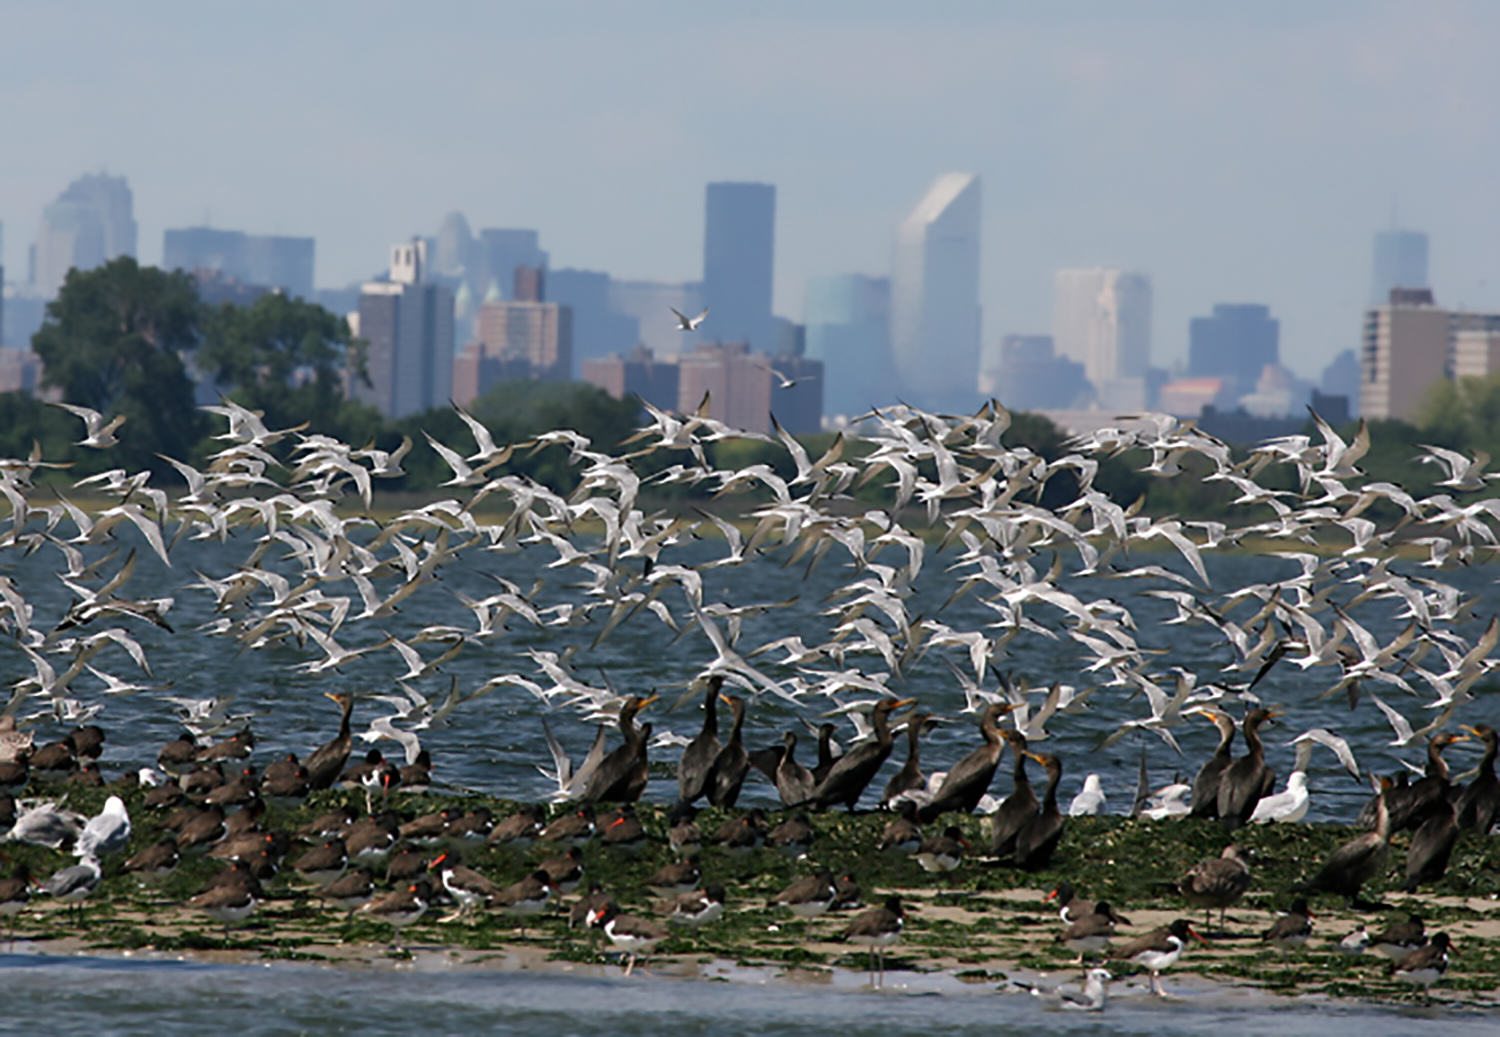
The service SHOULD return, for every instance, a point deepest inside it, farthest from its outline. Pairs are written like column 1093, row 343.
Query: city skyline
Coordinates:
column 1152, row 141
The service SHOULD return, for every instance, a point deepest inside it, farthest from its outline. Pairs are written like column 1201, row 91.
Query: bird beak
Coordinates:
column 647, row 701
column 1470, row 730
column 438, row 860
column 903, row 703
column 1050, row 896
column 725, row 699
column 1033, row 756
column 1194, row 934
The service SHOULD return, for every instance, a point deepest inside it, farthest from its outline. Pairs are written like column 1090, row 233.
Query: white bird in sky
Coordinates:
column 98, row 433
column 686, row 323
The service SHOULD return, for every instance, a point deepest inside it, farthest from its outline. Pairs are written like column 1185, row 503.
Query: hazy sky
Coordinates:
column 1233, row 152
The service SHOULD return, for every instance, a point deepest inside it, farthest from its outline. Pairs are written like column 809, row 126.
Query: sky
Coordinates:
column 1236, row 153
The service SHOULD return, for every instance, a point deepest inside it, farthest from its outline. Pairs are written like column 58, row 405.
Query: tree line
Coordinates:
column 134, row 340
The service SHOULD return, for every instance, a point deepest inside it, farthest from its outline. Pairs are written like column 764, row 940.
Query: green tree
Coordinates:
column 114, row 340
column 289, row 358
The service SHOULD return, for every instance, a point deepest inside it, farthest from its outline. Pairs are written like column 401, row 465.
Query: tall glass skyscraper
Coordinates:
column 739, row 242
column 848, row 329
column 1400, row 262
column 935, row 296
column 1101, row 318
column 91, row 223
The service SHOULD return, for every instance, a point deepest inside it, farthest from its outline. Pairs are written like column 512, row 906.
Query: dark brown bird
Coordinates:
column 677, row 877
column 566, row 871
column 733, row 762
column 1037, row 840
column 902, row 834
column 1019, row 807
column 322, row 864
column 519, row 828
column 373, row 836
column 472, row 828
column 942, row 853
column 244, row 788
column 793, row 835
column 794, row 782
column 178, row 754
column 1218, row 882
column 1399, row 939
column 405, row 862
column 744, row 833
column 237, row 746
column 417, row 775
column 1425, row 965
column 466, row 886
column 576, row 827
column 1291, row 929
column 623, row 831
column 327, row 762
column 1479, row 802
column 621, row 775
column 87, row 741
column 285, row 778
column 589, row 905
column 1357, row 861
column 1090, row 933
column 1246, row 781
column 334, row 823
column 877, row 928
column 695, row 767
column 351, row 891
column 970, row 778
column 808, row 896
column 1431, row 846
column 204, row 827
column 156, row 860
column 529, row 896
column 1158, row 950
column 1205, row 802
column 909, row 777
column 852, row 773
column 1413, row 805
column 202, row 779
column 826, row 756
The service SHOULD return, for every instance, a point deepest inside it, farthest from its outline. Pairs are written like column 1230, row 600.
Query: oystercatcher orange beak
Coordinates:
column 1050, row 896
column 437, row 860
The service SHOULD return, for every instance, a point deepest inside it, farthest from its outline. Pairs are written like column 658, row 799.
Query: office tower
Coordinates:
column 90, row 223
column 935, row 314
column 847, row 317
column 1029, row 375
column 647, row 303
column 500, row 251
column 637, row 373
column 453, row 248
column 408, row 322
column 598, row 330
column 1101, row 318
column 281, row 263
column 1400, row 261
column 1341, row 378
column 1237, row 343
column 739, row 237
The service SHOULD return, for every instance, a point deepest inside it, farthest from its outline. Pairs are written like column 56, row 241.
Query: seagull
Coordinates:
column 106, row 832
column 97, row 433
column 783, row 381
column 686, row 323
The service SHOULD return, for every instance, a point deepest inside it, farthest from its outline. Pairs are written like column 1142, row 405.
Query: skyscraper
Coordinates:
column 1101, row 317
column 283, row 263
column 1235, row 344
column 598, row 330
column 408, row 322
column 91, row 223
column 1400, row 261
column 739, row 239
column 848, row 329
column 935, row 313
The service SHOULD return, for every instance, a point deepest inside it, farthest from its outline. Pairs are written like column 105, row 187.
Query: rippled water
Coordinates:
column 100, row 997
column 495, row 743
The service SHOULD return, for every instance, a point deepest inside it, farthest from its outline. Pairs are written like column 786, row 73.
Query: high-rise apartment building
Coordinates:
column 91, row 223
column 739, row 241
column 270, row 261
column 1405, row 352
column 541, row 333
column 1237, row 343
column 635, row 373
column 847, row 317
column 1400, row 261
column 408, row 322
column 1101, row 318
column 1476, row 352
column 935, row 315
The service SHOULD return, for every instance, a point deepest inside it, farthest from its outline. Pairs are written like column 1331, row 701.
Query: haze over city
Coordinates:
column 1231, row 155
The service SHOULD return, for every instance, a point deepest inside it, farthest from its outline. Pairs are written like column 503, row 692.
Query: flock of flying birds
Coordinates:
column 324, row 578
